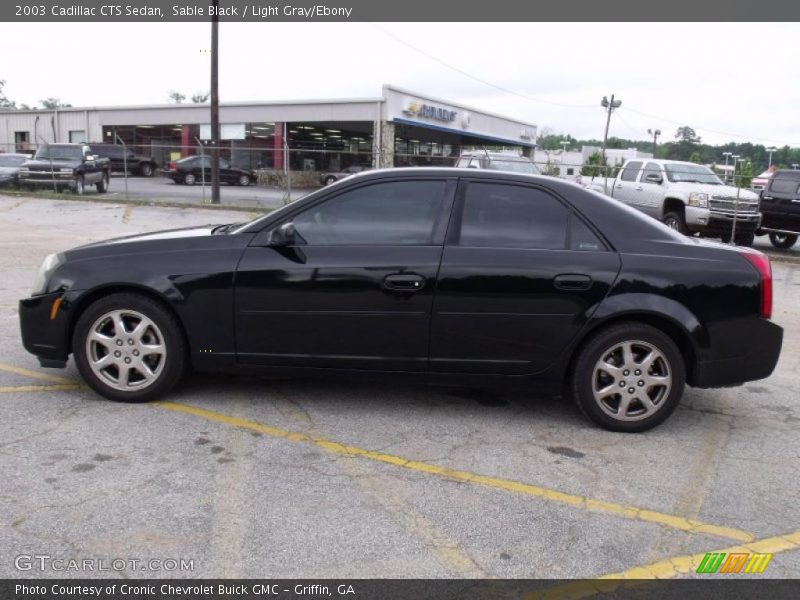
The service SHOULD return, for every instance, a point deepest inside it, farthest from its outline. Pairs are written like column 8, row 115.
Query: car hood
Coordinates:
column 6, row 171
column 169, row 234
column 727, row 191
column 44, row 165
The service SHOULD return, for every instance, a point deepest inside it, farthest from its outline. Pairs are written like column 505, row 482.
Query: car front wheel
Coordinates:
column 783, row 241
column 674, row 220
column 189, row 179
column 146, row 170
column 244, row 180
column 330, row 179
column 129, row 348
column 628, row 377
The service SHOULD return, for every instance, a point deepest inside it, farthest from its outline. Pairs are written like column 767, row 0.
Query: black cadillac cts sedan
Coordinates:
column 448, row 274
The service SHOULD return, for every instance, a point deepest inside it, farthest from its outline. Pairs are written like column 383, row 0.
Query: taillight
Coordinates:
column 761, row 262
column 171, row 167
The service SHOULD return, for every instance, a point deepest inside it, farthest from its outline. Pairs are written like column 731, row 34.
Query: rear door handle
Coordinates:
column 404, row 282
column 571, row 282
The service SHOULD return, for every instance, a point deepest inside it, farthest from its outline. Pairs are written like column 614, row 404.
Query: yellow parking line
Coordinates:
column 41, row 388
column 34, row 374
column 126, row 214
column 581, row 502
column 663, row 569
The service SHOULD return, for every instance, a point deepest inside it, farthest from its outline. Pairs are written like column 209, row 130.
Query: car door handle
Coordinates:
column 404, row 282
column 572, row 282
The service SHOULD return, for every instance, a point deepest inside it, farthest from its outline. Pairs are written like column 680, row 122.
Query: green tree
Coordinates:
column 4, row 101
column 687, row 134
column 200, row 98
column 696, row 158
column 744, row 177
column 594, row 165
column 176, row 97
column 52, row 103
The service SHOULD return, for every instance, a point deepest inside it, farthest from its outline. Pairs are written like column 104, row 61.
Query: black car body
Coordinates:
column 330, row 177
column 65, row 167
column 440, row 273
column 9, row 168
column 123, row 158
column 780, row 207
column 196, row 169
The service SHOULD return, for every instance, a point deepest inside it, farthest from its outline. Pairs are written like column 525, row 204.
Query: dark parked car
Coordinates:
column 780, row 207
column 9, row 167
column 122, row 157
column 330, row 177
column 65, row 167
column 193, row 169
column 449, row 274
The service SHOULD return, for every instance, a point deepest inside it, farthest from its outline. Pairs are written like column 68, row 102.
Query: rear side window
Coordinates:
column 782, row 184
column 631, row 171
column 509, row 216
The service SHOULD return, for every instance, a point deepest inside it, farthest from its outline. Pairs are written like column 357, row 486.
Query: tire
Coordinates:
column 189, row 179
column 146, row 170
column 783, row 241
column 674, row 220
column 120, row 364
column 330, row 179
column 745, row 239
column 602, row 390
column 244, row 180
column 102, row 185
column 78, row 186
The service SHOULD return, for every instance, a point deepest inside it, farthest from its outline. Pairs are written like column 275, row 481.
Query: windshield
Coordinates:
column 11, row 161
column 59, row 153
column 677, row 173
column 515, row 166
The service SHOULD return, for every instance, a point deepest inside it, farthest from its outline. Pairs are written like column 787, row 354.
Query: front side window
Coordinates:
column 510, row 216
column 391, row 213
column 650, row 169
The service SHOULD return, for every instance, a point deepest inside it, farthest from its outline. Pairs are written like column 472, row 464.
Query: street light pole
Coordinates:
column 609, row 106
column 771, row 149
column 655, row 133
column 215, row 104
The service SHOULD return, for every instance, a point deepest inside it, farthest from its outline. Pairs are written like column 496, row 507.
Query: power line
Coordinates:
column 475, row 78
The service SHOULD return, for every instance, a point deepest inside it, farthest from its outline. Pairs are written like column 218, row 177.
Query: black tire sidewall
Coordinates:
column 189, row 179
column 175, row 361
column 589, row 354
column 329, row 180
column 679, row 219
column 790, row 241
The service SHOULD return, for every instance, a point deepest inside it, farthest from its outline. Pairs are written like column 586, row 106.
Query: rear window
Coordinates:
column 784, row 184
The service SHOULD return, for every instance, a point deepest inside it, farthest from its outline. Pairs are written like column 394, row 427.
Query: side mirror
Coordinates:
column 283, row 235
column 653, row 178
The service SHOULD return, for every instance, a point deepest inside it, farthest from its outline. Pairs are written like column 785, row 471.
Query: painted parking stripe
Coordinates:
column 58, row 387
column 34, row 374
column 667, row 568
column 580, row 502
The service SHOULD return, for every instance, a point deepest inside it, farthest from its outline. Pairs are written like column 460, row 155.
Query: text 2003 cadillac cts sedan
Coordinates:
column 445, row 273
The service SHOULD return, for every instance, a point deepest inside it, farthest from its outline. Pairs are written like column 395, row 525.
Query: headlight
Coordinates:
column 45, row 271
column 698, row 199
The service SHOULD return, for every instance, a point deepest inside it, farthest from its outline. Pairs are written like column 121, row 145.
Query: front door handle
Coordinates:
column 572, row 282
column 404, row 282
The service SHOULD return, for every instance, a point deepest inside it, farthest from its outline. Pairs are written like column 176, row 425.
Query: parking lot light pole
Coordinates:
column 609, row 105
column 655, row 133
column 771, row 149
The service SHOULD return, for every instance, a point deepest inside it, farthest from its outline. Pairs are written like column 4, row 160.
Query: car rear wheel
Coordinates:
column 244, row 180
column 783, row 241
column 146, row 170
column 189, row 179
column 330, row 179
column 129, row 348
column 629, row 377
column 674, row 220
column 102, row 185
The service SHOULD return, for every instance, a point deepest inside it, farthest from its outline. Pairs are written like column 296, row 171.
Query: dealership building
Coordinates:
column 398, row 128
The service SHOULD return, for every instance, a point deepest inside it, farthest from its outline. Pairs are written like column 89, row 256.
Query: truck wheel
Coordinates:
column 330, row 179
column 244, row 180
column 129, row 348
column 745, row 239
column 189, row 179
column 628, row 377
column 102, row 185
column 146, row 170
column 784, row 241
column 77, row 186
column 674, row 220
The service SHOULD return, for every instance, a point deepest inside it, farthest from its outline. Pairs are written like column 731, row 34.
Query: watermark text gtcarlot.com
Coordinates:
column 44, row 562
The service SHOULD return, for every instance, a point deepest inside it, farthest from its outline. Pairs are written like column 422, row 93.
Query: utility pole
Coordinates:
column 771, row 149
column 215, row 104
column 655, row 133
column 609, row 106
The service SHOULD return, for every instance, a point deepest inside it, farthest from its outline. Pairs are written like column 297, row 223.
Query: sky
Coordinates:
column 730, row 82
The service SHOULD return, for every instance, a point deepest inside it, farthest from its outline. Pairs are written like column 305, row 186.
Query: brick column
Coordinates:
column 186, row 140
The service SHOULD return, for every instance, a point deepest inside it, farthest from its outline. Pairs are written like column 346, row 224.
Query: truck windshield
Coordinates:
column 59, row 153
column 515, row 166
column 677, row 173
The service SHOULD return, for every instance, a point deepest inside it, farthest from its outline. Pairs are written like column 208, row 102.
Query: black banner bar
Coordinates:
column 401, row 11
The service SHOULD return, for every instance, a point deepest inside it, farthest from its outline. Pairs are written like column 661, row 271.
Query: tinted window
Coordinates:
column 650, row 169
column 509, row 216
column 392, row 213
column 784, row 186
column 631, row 172
column 582, row 238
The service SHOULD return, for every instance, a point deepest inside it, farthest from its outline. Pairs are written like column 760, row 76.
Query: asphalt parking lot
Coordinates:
column 265, row 478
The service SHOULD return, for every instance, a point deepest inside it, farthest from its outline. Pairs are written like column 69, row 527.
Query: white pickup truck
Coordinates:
column 685, row 196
